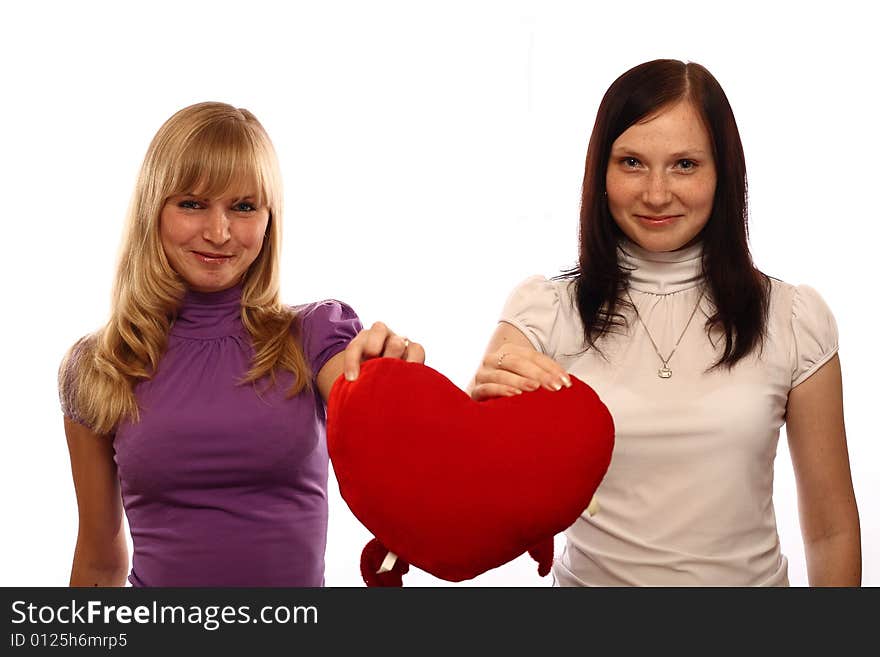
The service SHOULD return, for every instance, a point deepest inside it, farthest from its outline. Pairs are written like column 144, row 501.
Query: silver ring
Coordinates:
column 405, row 344
column 500, row 358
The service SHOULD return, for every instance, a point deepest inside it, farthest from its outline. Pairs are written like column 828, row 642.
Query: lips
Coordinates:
column 657, row 221
column 211, row 258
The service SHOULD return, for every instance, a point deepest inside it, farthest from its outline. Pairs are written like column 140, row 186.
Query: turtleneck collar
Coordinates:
column 661, row 273
column 209, row 314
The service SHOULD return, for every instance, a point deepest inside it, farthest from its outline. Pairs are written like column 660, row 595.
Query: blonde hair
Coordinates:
column 208, row 148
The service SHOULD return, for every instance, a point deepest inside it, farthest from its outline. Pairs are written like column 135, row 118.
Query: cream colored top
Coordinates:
column 687, row 499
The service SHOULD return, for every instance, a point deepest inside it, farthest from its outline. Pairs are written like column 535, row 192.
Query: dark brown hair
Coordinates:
column 738, row 290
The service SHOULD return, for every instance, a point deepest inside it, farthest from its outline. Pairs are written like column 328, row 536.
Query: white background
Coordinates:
column 432, row 156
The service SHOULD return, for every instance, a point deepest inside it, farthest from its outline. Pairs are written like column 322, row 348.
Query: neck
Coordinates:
column 209, row 314
column 664, row 272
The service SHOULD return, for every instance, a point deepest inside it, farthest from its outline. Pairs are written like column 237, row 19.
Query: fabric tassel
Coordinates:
column 543, row 554
column 372, row 559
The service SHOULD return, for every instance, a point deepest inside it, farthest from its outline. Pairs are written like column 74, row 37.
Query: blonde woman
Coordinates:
column 199, row 406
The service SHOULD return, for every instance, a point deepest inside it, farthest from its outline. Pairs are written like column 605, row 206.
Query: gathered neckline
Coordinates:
column 661, row 273
column 207, row 315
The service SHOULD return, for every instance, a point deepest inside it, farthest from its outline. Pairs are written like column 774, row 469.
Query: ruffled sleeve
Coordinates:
column 327, row 328
column 68, row 379
column 534, row 308
column 815, row 333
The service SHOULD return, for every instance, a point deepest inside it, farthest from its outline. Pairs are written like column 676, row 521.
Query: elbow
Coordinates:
column 98, row 574
column 99, row 567
column 839, row 523
column 835, row 558
column 91, row 576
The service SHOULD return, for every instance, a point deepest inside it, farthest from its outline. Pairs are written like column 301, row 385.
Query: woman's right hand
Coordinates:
column 512, row 366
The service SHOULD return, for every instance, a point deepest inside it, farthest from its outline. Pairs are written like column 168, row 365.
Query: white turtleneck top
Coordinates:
column 687, row 499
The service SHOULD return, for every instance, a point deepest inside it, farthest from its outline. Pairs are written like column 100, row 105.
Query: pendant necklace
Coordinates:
column 664, row 372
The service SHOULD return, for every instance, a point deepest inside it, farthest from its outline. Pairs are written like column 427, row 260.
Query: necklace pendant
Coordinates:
column 664, row 372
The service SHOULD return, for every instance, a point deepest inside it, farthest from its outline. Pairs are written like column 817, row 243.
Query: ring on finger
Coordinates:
column 500, row 358
column 405, row 344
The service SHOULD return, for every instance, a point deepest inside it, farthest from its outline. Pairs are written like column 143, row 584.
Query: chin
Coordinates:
column 660, row 241
column 658, row 245
column 210, row 285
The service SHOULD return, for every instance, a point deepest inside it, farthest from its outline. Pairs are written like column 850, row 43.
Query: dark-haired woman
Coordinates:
column 699, row 356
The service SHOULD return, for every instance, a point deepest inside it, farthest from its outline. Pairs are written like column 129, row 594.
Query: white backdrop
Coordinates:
column 432, row 155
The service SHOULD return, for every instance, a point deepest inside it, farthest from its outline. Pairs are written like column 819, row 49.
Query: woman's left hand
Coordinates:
column 376, row 342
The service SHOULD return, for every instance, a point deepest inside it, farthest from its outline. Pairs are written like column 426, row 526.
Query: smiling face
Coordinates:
column 212, row 241
column 661, row 179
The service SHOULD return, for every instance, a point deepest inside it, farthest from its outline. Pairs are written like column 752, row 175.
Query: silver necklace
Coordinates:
column 664, row 372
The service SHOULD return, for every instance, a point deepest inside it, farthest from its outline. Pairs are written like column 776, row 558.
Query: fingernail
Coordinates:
column 517, row 391
column 349, row 376
column 557, row 386
column 566, row 381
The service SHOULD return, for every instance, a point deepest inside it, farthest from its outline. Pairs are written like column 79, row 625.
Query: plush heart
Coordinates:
column 457, row 487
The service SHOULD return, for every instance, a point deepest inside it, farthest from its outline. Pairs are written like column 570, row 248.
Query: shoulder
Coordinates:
column 538, row 288
column 543, row 309
column 325, row 328
column 798, row 303
column 325, row 309
column 318, row 315
column 77, row 355
column 75, row 360
column 808, row 324
column 539, row 292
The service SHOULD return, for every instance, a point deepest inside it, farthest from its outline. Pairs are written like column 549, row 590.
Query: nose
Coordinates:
column 216, row 228
column 657, row 192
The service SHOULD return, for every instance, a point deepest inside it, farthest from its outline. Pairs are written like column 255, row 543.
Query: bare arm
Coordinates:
column 101, row 554
column 511, row 365
column 374, row 342
column 826, row 502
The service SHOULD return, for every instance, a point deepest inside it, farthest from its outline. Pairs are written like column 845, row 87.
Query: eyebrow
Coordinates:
column 688, row 152
column 248, row 197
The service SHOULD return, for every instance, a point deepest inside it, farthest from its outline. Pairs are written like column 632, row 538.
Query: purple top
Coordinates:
column 225, row 485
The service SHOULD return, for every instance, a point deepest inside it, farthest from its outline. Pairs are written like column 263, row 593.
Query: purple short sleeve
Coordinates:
column 327, row 328
column 68, row 379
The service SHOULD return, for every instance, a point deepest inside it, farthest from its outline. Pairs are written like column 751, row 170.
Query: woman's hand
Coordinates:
column 511, row 366
column 375, row 342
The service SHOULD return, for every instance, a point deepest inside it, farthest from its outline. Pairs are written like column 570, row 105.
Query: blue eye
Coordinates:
column 189, row 204
column 244, row 207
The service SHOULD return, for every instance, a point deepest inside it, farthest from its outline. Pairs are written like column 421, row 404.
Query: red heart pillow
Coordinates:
column 457, row 487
